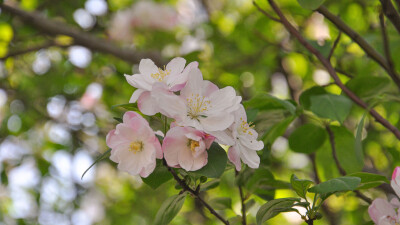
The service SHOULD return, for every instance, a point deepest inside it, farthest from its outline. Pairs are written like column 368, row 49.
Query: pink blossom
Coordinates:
column 134, row 145
column 382, row 212
column 201, row 104
column 173, row 77
column 186, row 147
column 395, row 183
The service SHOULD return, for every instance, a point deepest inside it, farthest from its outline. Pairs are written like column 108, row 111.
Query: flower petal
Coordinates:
column 147, row 67
column 176, row 65
column 380, row 208
column 147, row 105
column 234, row 157
column 216, row 122
column 139, row 81
column 136, row 94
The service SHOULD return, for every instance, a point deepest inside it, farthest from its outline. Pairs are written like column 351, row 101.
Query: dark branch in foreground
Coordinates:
column 195, row 193
column 332, row 71
column 386, row 46
column 80, row 37
column 391, row 13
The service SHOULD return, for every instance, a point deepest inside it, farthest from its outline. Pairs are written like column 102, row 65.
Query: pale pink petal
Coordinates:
column 178, row 82
column 168, row 103
column 199, row 150
column 185, row 159
column 173, row 142
column 395, row 187
column 208, row 140
column 224, row 99
column 200, row 161
column 208, row 88
column 136, row 95
column 194, row 83
column 147, row 67
column 157, row 146
column 396, row 173
column 252, row 143
column 176, row 65
column 234, row 157
column 148, row 169
column 380, row 208
column 216, row 122
column 147, row 105
column 138, row 81
column 223, row 137
column 248, row 156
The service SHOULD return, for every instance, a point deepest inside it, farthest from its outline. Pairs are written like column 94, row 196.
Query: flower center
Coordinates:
column 245, row 127
column 193, row 145
column 162, row 73
column 197, row 105
column 136, row 146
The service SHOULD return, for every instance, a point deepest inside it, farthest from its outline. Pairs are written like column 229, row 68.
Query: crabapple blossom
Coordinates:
column 174, row 76
column 395, row 183
column 186, row 147
column 201, row 104
column 245, row 142
column 134, row 145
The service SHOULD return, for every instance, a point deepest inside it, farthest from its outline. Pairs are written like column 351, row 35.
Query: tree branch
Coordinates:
column 265, row 12
column 32, row 49
column 391, row 13
column 195, row 193
column 371, row 52
column 80, row 37
column 332, row 71
column 386, row 44
column 332, row 142
column 334, row 45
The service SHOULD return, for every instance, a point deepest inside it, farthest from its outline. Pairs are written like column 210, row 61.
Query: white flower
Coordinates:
column 201, row 104
column 174, row 76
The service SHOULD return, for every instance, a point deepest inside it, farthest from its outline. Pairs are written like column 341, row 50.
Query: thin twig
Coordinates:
column 32, row 49
column 265, row 12
column 334, row 45
column 185, row 187
column 314, row 166
column 347, row 74
column 80, row 37
column 332, row 71
column 386, row 47
column 242, row 199
column 391, row 13
column 332, row 142
column 371, row 52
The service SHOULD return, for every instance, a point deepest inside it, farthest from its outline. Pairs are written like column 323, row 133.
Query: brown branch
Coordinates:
column 195, row 193
column 332, row 71
column 32, row 49
column 265, row 12
column 332, row 142
column 386, row 47
column 371, row 52
column 242, row 199
column 334, row 45
column 80, row 37
column 391, row 13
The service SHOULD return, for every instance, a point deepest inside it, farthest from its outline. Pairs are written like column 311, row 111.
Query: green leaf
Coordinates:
column 358, row 142
column 300, row 186
column 336, row 185
column 307, row 138
column 118, row 119
column 216, row 162
column 310, row 4
column 169, row 209
column 305, row 97
column 335, row 107
column 159, row 176
column 348, row 158
column 269, row 102
column 368, row 86
column 369, row 180
column 128, row 106
column 102, row 156
column 210, row 185
column 222, row 203
column 277, row 130
column 273, row 208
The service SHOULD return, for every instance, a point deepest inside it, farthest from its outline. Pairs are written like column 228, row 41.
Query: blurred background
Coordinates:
column 56, row 99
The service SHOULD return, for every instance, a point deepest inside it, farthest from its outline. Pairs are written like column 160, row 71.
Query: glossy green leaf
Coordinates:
column 307, row 138
column 305, row 97
column 368, row 86
column 128, row 106
column 210, row 185
column 300, row 186
column 369, row 180
column 335, row 107
column 169, row 209
column 310, row 4
column 273, row 208
column 159, row 176
column 221, row 203
column 269, row 102
column 336, row 185
column 216, row 164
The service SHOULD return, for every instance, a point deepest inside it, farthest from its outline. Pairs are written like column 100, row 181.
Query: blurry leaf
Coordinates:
column 307, row 138
column 277, row 130
column 102, row 156
column 169, row 209
column 305, row 97
column 250, row 204
column 269, row 102
column 29, row 5
column 369, row 180
column 345, row 151
column 251, row 114
column 300, row 186
column 210, row 185
column 273, row 208
column 336, row 185
column 128, row 106
column 335, row 107
column 222, row 203
column 217, row 160
column 358, row 142
column 6, row 33
column 368, row 86
column 159, row 176
column 310, row 4
column 118, row 119
column 64, row 40
column 324, row 49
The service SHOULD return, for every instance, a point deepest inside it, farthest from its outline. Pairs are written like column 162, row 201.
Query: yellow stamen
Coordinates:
column 136, row 146
column 193, row 145
column 246, row 127
column 197, row 105
column 162, row 73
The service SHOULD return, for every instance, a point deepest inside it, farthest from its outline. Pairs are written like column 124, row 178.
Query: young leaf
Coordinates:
column 269, row 102
column 358, row 142
column 128, row 106
column 217, row 160
column 222, row 203
column 369, row 86
column 307, row 138
column 169, row 209
column 102, row 156
column 335, row 107
column 159, row 176
column 305, row 97
column 210, row 185
column 310, row 4
column 336, row 185
column 273, row 208
column 369, row 180
column 300, row 186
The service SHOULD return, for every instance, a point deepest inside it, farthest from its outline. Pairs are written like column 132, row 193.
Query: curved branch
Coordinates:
column 386, row 46
column 391, row 13
column 80, row 37
column 32, row 49
column 332, row 71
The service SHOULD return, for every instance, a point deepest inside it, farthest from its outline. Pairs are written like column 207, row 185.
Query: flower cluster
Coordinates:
column 202, row 114
column 383, row 212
